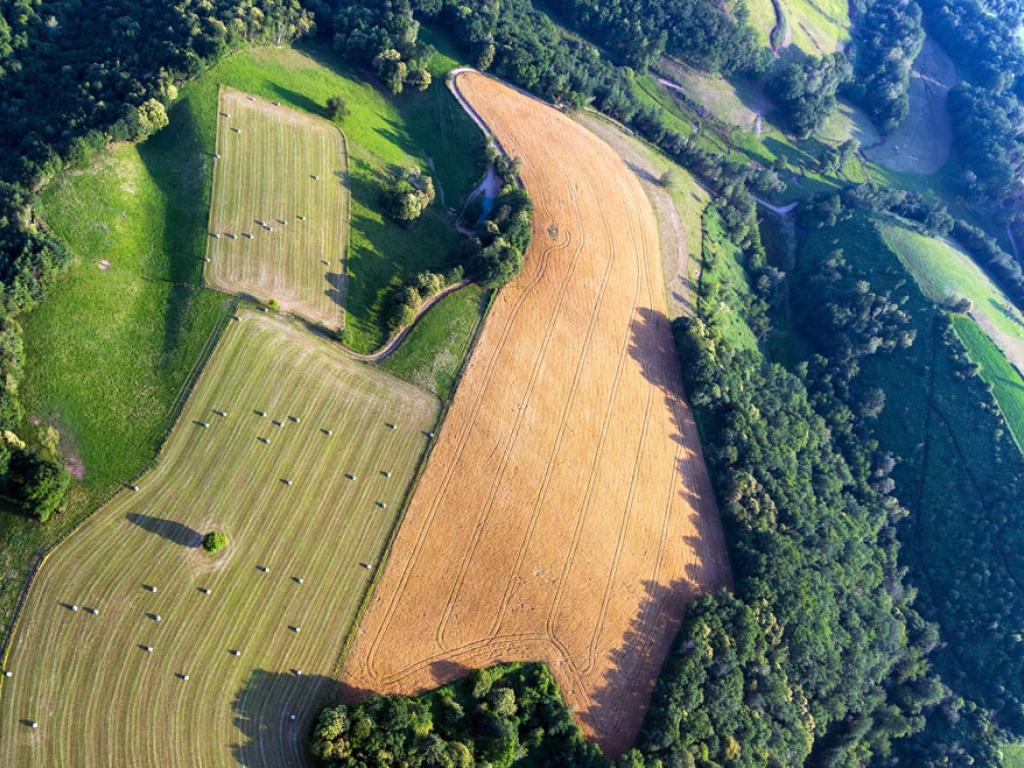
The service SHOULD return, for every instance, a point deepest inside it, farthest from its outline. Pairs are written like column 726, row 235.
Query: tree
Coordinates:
column 39, row 482
column 806, row 90
column 337, row 108
column 215, row 541
column 391, row 69
column 408, row 196
column 419, row 79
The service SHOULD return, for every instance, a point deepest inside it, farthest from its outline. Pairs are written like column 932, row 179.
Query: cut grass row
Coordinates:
column 99, row 698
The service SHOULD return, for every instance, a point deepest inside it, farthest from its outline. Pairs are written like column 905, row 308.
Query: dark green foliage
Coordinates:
column 496, row 254
column 406, row 197
column 981, row 37
column 215, row 541
column 713, row 36
column 723, row 662
column 337, row 109
column 960, row 475
column 38, row 481
column 806, row 91
column 985, row 129
column 494, row 717
column 406, row 301
column 888, row 36
column 819, row 657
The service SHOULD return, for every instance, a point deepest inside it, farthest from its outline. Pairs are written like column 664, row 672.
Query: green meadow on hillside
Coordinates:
column 1006, row 381
column 943, row 270
column 110, row 351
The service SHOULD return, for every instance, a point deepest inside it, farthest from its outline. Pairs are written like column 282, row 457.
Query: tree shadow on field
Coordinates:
column 653, row 346
column 337, row 282
column 262, row 711
column 178, row 163
column 298, row 100
column 619, row 703
column 173, row 531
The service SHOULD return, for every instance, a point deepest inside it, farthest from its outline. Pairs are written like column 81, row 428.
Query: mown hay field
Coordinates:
column 565, row 514
column 98, row 697
column 279, row 215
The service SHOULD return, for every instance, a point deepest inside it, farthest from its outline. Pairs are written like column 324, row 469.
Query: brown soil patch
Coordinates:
column 565, row 514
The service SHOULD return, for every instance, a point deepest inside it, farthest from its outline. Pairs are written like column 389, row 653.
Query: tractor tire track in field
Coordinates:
column 564, row 514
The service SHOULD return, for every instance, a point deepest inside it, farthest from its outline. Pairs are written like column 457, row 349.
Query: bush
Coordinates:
column 215, row 541
column 337, row 108
column 39, row 481
column 408, row 196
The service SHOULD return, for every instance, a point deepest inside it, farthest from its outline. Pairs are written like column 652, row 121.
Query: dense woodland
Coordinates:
column 981, row 36
column 888, row 36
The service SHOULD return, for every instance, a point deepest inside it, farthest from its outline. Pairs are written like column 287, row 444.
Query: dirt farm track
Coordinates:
column 565, row 513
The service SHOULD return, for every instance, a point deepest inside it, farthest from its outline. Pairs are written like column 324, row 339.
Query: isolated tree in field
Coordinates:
column 337, row 108
column 407, row 197
column 669, row 179
column 215, row 541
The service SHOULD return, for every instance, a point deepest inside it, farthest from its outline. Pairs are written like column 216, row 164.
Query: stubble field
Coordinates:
column 98, row 696
column 280, row 207
column 565, row 514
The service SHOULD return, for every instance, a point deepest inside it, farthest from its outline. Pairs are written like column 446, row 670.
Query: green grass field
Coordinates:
column 1007, row 382
column 279, row 214
column 1013, row 756
column 942, row 270
column 762, row 19
column 818, row 26
column 79, row 674
column 724, row 285
column 431, row 355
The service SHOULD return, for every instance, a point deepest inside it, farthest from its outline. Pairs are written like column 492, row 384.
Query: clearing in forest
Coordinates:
column 565, row 514
column 921, row 143
column 285, row 444
column 280, row 208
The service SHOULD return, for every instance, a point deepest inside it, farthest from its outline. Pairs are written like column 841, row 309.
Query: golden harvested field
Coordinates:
column 280, row 207
column 99, row 698
column 565, row 514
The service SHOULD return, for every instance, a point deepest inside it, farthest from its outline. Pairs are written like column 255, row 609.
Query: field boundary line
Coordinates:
column 385, row 556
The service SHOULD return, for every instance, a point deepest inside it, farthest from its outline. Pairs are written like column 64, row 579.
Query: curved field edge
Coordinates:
column 430, row 643
column 320, row 527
